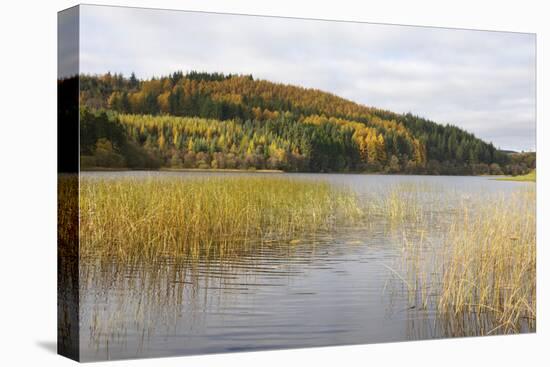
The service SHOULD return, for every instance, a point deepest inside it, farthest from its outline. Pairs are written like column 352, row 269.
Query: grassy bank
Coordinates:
column 530, row 177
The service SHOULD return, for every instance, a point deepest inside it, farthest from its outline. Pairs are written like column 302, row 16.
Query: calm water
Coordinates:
column 330, row 289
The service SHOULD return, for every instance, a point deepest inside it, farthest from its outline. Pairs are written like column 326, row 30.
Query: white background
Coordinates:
column 28, row 70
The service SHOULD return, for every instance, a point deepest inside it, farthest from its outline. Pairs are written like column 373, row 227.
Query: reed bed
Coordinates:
column 154, row 238
column 480, row 277
column 490, row 269
column 155, row 218
column 470, row 258
column 405, row 202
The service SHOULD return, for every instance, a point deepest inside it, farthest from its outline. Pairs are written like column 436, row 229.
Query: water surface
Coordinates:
column 328, row 289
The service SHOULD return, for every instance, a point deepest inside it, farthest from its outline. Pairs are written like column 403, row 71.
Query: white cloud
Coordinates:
column 481, row 81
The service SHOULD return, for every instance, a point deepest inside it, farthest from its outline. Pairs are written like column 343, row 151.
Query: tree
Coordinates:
column 381, row 149
column 393, row 166
column 256, row 123
column 372, row 149
column 133, row 82
column 495, row 169
column 176, row 161
column 105, row 156
column 189, row 160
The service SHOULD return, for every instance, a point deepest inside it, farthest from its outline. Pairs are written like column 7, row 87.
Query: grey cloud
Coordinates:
column 481, row 81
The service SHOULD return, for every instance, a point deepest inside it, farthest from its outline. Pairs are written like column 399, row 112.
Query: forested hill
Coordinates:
column 212, row 120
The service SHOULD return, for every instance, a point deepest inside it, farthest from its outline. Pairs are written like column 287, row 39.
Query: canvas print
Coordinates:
column 237, row 183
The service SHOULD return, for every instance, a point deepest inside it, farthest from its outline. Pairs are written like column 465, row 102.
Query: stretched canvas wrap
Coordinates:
column 235, row 183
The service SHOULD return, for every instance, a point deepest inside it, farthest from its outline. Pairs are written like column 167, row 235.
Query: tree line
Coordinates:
column 212, row 120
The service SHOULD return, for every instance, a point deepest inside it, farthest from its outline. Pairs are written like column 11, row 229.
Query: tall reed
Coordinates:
column 480, row 275
column 490, row 267
column 152, row 218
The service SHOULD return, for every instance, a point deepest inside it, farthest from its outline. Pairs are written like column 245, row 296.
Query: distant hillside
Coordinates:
column 234, row 121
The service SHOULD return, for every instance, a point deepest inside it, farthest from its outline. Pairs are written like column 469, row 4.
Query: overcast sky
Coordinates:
column 481, row 81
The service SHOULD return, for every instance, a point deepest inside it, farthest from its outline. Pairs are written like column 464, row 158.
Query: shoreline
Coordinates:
column 221, row 170
column 276, row 171
column 530, row 177
column 236, row 170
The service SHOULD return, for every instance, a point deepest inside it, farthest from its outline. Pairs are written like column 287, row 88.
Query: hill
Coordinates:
column 212, row 120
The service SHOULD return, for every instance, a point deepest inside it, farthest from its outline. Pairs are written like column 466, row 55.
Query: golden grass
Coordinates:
column 153, row 236
column 405, row 202
column 481, row 277
column 159, row 218
column 490, row 266
column 530, row 177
